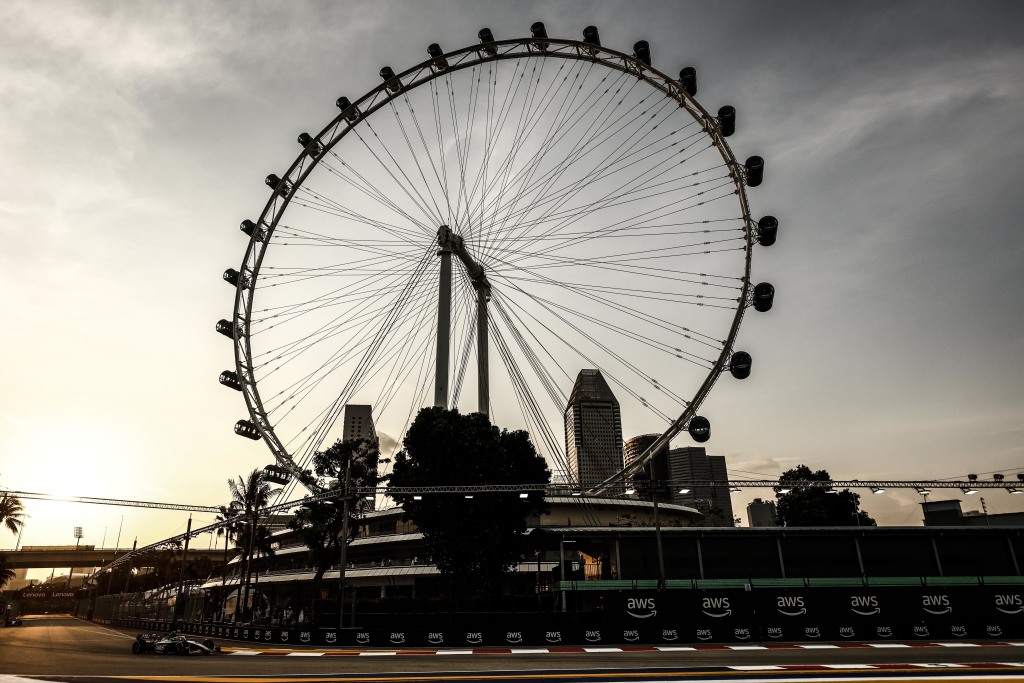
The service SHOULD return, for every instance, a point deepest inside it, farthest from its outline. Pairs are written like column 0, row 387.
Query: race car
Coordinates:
column 171, row 644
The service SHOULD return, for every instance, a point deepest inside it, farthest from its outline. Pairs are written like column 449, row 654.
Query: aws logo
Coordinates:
column 363, row 637
column 936, row 604
column 864, row 605
column 994, row 630
column 640, row 608
column 774, row 632
column 669, row 634
column 884, row 631
column 435, row 638
column 398, row 638
column 741, row 633
column 553, row 636
column 514, row 637
column 474, row 638
column 1009, row 604
column 331, row 637
column 846, row 632
column 791, row 606
column 703, row 634
column 304, row 637
column 719, row 606
column 812, row 632
column 959, row 631
column 592, row 636
column 631, row 636
column 921, row 631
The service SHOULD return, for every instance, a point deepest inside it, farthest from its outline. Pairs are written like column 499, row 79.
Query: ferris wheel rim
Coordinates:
column 425, row 72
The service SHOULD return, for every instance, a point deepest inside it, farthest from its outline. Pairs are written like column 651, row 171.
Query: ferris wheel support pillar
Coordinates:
column 483, row 377
column 444, row 321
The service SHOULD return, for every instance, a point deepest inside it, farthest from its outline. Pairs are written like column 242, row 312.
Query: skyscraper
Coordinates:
column 694, row 464
column 357, row 423
column 632, row 450
column 593, row 430
column 762, row 513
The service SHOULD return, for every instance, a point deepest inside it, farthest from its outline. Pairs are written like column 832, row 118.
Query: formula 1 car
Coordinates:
column 171, row 644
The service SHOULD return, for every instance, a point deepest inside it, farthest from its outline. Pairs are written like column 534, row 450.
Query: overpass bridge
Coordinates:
column 47, row 557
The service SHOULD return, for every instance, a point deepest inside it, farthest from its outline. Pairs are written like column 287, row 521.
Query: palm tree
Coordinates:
column 249, row 494
column 12, row 513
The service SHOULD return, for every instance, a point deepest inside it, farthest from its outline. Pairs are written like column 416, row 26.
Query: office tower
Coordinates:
column 593, row 430
column 633, row 449
column 694, row 464
column 762, row 513
column 357, row 423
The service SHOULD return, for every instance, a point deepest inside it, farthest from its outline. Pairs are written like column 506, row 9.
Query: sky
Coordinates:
column 136, row 136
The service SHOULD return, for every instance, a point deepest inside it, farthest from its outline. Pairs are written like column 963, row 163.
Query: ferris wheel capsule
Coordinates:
column 642, row 51
column 308, row 142
column 767, row 230
column 764, row 296
column 393, row 85
column 539, row 32
column 279, row 186
column 486, row 38
column 739, row 365
column 699, row 429
column 591, row 35
column 688, row 77
column 437, row 54
column 231, row 276
column 727, row 120
column 755, row 171
column 230, row 379
column 225, row 328
column 247, row 429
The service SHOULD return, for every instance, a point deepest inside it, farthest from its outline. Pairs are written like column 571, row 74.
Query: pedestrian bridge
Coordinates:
column 57, row 556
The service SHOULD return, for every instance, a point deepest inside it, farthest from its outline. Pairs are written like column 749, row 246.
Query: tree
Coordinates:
column 6, row 573
column 12, row 513
column 476, row 540
column 815, row 506
column 249, row 494
column 320, row 523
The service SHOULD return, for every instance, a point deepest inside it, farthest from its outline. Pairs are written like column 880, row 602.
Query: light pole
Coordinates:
column 344, row 546
column 78, row 539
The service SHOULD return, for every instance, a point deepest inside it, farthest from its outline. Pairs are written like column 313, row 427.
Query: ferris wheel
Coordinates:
column 479, row 228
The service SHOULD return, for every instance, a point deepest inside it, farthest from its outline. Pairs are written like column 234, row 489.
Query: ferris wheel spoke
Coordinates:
column 572, row 158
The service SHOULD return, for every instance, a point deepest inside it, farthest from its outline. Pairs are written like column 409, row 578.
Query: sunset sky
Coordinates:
column 136, row 136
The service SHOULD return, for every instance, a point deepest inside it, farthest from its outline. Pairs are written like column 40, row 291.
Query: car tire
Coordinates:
column 208, row 644
column 136, row 648
column 180, row 648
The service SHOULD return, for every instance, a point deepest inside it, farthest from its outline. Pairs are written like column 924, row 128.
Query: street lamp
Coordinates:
column 78, row 539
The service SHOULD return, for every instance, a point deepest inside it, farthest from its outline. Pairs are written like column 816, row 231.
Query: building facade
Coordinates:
column 762, row 513
column 694, row 464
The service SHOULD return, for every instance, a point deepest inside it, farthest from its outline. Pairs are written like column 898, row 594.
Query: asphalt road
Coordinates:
column 56, row 647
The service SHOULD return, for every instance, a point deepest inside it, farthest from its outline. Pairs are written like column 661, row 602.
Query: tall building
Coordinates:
column 357, row 423
column 593, row 430
column 694, row 464
column 762, row 513
column 656, row 469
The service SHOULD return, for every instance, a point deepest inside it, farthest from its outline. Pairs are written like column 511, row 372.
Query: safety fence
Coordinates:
column 947, row 608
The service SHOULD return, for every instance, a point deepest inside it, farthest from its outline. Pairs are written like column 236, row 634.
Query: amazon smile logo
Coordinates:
column 720, row 607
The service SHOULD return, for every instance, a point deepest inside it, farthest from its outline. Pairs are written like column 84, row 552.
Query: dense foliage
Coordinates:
column 320, row 523
column 476, row 540
column 815, row 506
